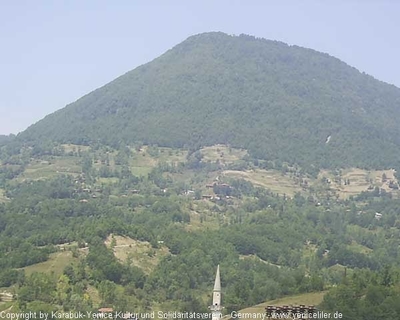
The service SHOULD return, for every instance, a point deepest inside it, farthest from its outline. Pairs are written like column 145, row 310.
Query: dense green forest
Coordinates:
column 5, row 139
column 268, row 245
column 302, row 106
column 366, row 295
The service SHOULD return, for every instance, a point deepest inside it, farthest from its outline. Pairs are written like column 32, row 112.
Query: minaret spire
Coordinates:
column 216, row 303
column 217, row 283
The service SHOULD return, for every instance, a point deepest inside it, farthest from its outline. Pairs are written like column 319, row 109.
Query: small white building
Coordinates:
column 378, row 216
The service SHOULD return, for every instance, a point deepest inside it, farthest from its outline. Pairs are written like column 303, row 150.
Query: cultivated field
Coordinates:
column 56, row 263
column 75, row 148
column 202, row 217
column 170, row 155
column 359, row 180
column 270, row 179
column 42, row 169
column 138, row 253
column 143, row 160
column 222, row 153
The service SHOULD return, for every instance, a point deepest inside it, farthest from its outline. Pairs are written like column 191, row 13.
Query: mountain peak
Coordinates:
column 278, row 101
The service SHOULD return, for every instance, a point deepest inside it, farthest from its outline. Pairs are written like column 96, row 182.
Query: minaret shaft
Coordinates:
column 217, row 289
column 216, row 303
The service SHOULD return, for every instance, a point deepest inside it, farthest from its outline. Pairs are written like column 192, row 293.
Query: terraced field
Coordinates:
column 359, row 180
column 270, row 179
column 42, row 169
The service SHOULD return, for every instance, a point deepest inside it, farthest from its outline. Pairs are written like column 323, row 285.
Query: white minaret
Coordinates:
column 216, row 308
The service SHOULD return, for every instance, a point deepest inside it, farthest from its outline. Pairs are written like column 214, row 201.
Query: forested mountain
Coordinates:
column 4, row 139
column 278, row 101
column 137, row 214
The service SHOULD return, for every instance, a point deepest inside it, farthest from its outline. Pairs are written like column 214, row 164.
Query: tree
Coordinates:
column 63, row 289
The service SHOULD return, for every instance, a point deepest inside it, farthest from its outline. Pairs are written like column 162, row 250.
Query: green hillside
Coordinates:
column 277, row 101
column 145, row 228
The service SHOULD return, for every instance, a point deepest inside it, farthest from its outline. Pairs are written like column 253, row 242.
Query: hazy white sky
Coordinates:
column 53, row 52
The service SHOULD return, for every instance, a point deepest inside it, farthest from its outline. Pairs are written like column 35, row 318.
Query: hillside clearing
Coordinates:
column 202, row 218
column 138, row 253
column 3, row 198
column 6, row 307
column 269, row 179
column 47, row 169
column 75, row 147
column 359, row 180
column 222, row 153
column 94, row 295
column 56, row 263
column 170, row 155
column 253, row 256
